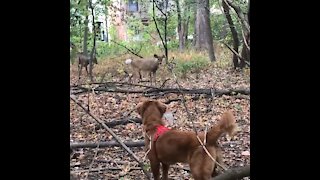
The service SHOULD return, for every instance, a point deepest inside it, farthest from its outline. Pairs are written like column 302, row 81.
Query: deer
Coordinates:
column 150, row 65
column 84, row 61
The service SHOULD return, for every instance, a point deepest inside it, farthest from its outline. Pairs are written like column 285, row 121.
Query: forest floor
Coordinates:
column 115, row 162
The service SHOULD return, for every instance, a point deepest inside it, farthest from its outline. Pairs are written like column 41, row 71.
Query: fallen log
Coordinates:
column 234, row 173
column 167, row 90
column 139, row 143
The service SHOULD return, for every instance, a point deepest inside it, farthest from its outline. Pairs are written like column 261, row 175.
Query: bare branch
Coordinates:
column 233, row 51
column 130, row 50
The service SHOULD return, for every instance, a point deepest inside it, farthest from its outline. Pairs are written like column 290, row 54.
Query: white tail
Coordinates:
column 128, row 61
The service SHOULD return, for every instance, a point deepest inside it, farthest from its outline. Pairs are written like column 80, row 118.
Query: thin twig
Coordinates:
column 233, row 51
column 130, row 50
column 72, row 97
column 91, row 164
column 245, row 40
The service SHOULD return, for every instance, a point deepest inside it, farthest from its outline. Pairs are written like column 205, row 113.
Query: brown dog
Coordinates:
column 169, row 146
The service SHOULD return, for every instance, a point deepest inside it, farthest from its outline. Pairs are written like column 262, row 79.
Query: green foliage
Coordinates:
column 145, row 37
column 195, row 65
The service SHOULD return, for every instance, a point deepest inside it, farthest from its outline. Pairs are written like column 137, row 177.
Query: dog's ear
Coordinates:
column 140, row 108
column 162, row 107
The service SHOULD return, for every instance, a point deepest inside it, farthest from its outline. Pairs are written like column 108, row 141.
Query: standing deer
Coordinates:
column 84, row 61
column 150, row 65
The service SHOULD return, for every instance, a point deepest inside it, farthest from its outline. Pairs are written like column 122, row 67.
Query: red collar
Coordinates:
column 160, row 130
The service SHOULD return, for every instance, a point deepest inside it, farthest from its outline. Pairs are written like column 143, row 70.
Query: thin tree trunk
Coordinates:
column 245, row 53
column 86, row 29
column 107, row 14
column 93, row 52
column 187, row 29
column 234, row 33
column 180, row 33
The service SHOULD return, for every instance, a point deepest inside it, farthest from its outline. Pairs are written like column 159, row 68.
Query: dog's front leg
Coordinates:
column 165, row 169
column 155, row 168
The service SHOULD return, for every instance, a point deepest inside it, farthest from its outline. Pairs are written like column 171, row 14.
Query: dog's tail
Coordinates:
column 227, row 124
column 128, row 61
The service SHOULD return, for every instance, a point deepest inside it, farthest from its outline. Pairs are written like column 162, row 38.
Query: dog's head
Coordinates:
column 152, row 106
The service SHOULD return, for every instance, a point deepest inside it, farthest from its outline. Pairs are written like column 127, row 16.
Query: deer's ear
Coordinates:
column 156, row 56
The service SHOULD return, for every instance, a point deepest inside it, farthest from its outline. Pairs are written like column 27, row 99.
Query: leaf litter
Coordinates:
column 118, row 164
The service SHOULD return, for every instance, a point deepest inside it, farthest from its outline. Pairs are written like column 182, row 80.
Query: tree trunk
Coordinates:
column 93, row 52
column 180, row 32
column 199, row 27
column 208, row 32
column 85, row 36
column 245, row 53
column 244, row 19
column 187, row 29
column 107, row 14
column 182, row 26
column 234, row 33
column 204, row 40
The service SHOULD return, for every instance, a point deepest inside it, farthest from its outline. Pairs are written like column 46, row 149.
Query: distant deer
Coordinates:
column 150, row 65
column 84, row 61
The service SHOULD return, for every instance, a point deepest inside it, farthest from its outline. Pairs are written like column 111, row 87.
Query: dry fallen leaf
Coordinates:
column 245, row 153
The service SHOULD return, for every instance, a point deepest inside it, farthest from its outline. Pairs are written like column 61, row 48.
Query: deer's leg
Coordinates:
column 150, row 77
column 140, row 75
column 155, row 79
column 79, row 69
column 86, row 66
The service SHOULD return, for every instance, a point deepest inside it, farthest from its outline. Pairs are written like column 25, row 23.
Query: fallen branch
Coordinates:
column 114, row 136
column 104, row 144
column 123, row 122
column 103, row 169
column 234, row 173
column 168, row 90
column 138, row 143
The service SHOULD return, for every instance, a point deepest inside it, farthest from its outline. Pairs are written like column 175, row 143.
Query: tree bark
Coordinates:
column 234, row 173
column 234, row 33
column 181, row 47
column 86, row 29
column 244, row 19
column 167, row 90
column 204, row 40
column 93, row 52
column 183, row 23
